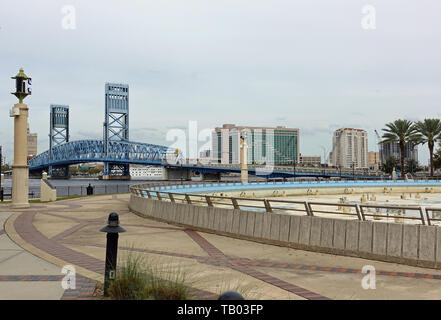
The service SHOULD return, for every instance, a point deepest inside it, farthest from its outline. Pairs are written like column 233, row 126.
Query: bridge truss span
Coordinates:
column 82, row 151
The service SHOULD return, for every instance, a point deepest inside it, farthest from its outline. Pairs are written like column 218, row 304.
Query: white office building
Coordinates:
column 350, row 148
column 146, row 172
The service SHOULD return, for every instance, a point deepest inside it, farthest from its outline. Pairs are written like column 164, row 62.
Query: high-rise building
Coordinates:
column 373, row 160
column 310, row 161
column 392, row 149
column 32, row 143
column 266, row 145
column 349, row 148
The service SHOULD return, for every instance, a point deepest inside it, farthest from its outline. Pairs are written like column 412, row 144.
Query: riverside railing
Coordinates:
column 362, row 212
column 164, row 185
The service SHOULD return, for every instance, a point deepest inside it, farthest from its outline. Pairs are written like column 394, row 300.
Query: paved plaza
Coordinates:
column 36, row 243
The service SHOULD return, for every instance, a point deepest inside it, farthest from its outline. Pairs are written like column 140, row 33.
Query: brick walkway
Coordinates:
column 55, row 245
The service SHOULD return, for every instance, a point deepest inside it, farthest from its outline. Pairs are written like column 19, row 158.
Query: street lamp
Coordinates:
column 20, row 168
column 294, row 172
column 112, row 230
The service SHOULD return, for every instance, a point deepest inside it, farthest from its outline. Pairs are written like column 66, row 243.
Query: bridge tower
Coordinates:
column 116, row 126
column 58, row 134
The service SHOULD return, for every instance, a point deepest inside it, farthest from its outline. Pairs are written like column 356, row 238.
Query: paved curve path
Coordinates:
column 67, row 232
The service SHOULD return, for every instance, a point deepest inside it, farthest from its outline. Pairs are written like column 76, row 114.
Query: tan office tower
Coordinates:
column 32, row 144
column 349, row 148
column 373, row 160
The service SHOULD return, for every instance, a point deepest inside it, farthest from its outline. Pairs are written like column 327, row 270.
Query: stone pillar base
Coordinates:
column 212, row 176
column 244, row 175
column 20, row 187
column 176, row 173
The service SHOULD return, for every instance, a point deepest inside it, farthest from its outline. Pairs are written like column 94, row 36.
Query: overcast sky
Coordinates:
column 306, row 64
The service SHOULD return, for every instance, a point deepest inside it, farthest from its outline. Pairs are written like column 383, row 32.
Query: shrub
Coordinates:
column 130, row 281
column 166, row 283
column 138, row 280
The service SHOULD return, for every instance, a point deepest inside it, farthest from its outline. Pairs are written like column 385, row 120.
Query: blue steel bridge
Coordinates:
column 83, row 151
column 127, row 152
column 117, row 152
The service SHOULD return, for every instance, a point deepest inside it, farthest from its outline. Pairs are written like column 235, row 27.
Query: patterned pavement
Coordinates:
column 67, row 232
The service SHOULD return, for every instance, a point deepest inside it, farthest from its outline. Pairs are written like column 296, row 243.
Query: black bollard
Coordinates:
column 230, row 295
column 112, row 229
column 89, row 190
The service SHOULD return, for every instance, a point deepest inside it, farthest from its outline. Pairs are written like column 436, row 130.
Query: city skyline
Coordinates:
column 298, row 69
column 202, row 150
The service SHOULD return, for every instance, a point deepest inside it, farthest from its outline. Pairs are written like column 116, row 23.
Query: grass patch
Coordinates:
column 70, row 197
column 66, row 198
column 30, row 201
column 141, row 279
column 166, row 282
column 130, row 281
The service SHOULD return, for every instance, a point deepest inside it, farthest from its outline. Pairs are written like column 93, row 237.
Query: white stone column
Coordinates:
column 20, row 168
column 243, row 160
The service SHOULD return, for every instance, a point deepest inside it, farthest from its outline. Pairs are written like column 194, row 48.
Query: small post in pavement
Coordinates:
column 231, row 295
column 112, row 229
column 89, row 190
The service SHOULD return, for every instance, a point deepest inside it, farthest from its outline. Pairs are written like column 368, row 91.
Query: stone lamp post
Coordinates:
column 243, row 158
column 20, row 168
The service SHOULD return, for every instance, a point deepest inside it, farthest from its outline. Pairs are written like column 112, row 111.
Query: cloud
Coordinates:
column 250, row 62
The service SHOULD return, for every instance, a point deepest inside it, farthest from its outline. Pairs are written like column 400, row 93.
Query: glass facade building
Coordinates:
column 266, row 145
column 392, row 149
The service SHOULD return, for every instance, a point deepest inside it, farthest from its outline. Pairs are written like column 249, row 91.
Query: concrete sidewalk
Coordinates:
column 24, row 276
column 67, row 232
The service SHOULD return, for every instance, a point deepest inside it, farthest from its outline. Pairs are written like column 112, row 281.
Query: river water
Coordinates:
column 77, row 186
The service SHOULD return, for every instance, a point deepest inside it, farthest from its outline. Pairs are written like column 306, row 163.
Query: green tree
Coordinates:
column 94, row 171
column 389, row 165
column 429, row 131
column 412, row 165
column 73, row 171
column 403, row 132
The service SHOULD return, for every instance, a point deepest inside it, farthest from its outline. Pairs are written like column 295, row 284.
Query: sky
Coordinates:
column 307, row 64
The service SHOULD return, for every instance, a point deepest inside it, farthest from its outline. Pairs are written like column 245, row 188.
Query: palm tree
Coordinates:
column 390, row 164
column 429, row 131
column 403, row 132
column 412, row 165
column 437, row 157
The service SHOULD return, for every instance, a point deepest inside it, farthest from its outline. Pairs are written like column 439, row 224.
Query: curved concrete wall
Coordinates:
column 417, row 245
